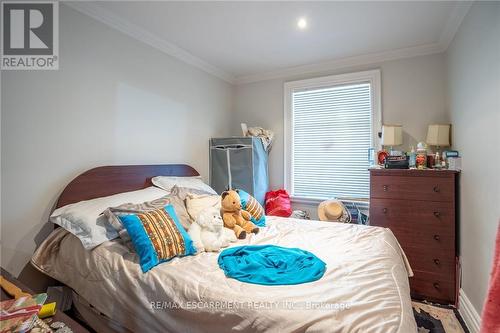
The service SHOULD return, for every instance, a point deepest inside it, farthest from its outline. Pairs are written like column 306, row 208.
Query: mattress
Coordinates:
column 364, row 289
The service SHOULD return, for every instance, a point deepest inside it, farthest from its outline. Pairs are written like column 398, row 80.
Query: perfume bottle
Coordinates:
column 437, row 161
column 413, row 158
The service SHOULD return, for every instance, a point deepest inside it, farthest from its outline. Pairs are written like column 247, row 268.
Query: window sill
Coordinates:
column 311, row 201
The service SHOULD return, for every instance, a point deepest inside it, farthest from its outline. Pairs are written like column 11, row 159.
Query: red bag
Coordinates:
column 278, row 203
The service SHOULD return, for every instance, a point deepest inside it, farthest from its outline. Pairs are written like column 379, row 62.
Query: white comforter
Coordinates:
column 365, row 287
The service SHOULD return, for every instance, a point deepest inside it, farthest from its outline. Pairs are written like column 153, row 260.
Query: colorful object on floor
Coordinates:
column 433, row 318
column 41, row 326
column 19, row 315
column 251, row 205
column 157, row 236
column 278, row 203
column 47, row 310
column 271, row 265
column 490, row 321
column 11, row 288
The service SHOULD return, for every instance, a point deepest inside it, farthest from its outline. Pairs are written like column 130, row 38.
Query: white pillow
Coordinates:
column 85, row 220
column 167, row 182
column 195, row 204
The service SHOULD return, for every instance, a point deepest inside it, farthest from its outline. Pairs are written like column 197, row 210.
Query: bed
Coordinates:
column 365, row 287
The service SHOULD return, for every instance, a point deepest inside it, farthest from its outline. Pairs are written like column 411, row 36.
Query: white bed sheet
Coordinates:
column 365, row 287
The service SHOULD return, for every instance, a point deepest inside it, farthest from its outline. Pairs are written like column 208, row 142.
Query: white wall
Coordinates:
column 413, row 94
column 114, row 100
column 474, row 106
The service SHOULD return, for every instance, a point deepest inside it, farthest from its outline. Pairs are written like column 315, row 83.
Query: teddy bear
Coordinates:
column 208, row 232
column 234, row 217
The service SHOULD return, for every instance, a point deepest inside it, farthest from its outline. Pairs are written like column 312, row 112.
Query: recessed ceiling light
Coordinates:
column 302, row 23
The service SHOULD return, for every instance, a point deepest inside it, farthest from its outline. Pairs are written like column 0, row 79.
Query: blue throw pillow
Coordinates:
column 157, row 236
column 251, row 205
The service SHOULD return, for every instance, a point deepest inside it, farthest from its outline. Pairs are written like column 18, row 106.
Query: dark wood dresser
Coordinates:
column 420, row 207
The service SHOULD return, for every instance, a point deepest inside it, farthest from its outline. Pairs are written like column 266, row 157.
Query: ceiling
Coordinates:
column 249, row 41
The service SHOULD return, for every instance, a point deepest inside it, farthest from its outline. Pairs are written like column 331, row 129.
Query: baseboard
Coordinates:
column 468, row 312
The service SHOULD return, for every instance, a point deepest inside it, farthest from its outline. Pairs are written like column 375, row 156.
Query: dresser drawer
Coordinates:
column 419, row 214
column 429, row 226
column 433, row 287
column 413, row 188
column 441, row 263
column 411, row 236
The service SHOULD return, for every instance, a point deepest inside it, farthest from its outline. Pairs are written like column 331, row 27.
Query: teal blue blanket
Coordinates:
column 271, row 265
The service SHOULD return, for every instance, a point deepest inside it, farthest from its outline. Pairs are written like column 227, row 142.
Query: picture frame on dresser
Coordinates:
column 421, row 209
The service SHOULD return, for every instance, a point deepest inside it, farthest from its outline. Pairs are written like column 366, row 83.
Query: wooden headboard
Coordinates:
column 109, row 180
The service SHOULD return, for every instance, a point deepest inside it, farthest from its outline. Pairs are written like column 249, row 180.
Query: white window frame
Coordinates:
column 371, row 76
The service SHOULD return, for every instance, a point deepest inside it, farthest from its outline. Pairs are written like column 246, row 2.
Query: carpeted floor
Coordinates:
column 434, row 318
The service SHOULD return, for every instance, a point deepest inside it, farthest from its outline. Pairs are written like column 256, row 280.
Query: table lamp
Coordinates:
column 392, row 135
column 438, row 135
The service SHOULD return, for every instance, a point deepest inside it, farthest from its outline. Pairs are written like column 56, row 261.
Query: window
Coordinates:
column 330, row 123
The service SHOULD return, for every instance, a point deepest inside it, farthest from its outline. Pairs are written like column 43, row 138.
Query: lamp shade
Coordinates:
column 392, row 135
column 438, row 135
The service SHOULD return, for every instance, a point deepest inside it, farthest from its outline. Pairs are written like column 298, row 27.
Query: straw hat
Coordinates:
column 330, row 210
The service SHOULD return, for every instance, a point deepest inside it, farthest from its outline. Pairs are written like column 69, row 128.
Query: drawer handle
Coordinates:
column 436, row 189
column 386, row 188
column 384, row 210
column 437, row 214
column 436, row 237
column 436, row 285
column 437, row 262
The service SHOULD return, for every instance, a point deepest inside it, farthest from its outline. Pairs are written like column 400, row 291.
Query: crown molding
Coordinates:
column 454, row 20
column 102, row 15
column 451, row 27
column 366, row 59
column 132, row 30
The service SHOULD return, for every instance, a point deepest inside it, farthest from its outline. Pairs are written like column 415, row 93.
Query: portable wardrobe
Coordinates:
column 239, row 163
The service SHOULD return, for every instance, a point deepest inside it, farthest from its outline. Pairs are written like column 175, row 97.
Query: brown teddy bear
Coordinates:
column 234, row 217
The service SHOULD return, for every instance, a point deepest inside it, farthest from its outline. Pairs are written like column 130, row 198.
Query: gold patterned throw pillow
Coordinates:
column 157, row 236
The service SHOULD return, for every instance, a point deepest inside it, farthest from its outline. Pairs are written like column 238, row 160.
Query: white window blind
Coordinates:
column 331, row 132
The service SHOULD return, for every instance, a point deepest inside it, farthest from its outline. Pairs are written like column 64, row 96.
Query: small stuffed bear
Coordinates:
column 208, row 232
column 234, row 217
